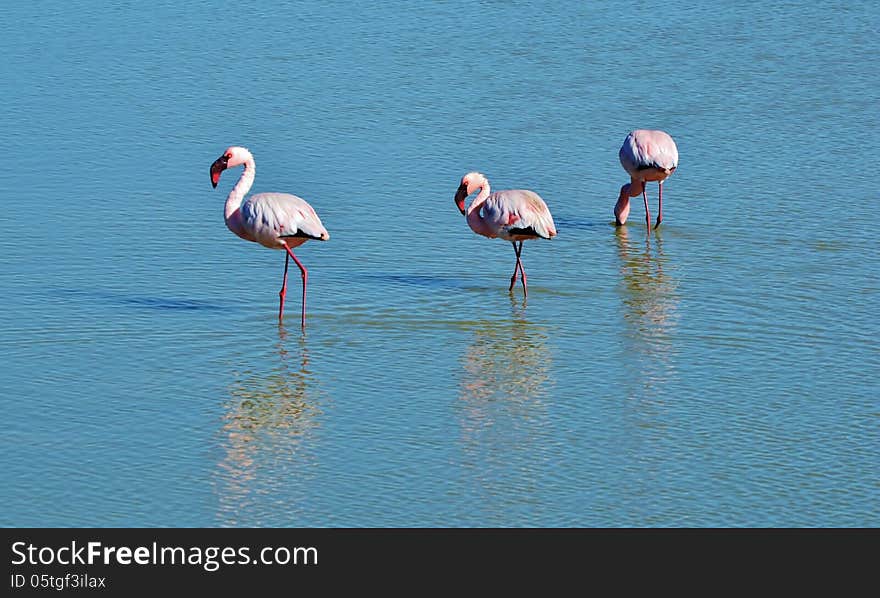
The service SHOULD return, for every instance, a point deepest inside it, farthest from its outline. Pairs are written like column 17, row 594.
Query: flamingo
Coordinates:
column 515, row 215
column 646, row 156
column 274, row 220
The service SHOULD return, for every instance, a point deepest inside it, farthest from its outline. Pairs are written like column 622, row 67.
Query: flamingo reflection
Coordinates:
column 272, row 415
column 506, row 377
column 506, row 360
column 650, row 302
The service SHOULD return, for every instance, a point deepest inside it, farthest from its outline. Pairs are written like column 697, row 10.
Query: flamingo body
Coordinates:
column 514, row 215
column 277, row 219
column 274, row 220
column 648, row 156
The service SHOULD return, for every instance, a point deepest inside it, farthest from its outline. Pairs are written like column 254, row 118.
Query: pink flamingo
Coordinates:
column 274, row 220
column 515, row 215
column 646, row 156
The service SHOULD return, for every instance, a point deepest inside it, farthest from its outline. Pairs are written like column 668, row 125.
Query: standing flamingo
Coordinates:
column 515, row 215
column 646, row 156
column 274, row 220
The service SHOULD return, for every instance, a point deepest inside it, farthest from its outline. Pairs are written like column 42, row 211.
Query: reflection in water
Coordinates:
column 271, row 415
column 649, row 307
column 650, row 303
column 506, row 377
column 506, row 360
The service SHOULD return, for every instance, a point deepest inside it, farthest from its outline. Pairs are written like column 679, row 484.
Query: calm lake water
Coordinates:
column 721, row 371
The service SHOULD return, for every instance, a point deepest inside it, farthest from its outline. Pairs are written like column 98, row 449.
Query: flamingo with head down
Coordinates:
column 274, row 220
column 646, row 156
column 515, row 215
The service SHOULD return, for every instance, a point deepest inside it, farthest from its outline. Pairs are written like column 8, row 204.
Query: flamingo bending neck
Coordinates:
column 474, row 220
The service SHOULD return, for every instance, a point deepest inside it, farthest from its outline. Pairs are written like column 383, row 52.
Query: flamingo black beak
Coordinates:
column 460, row 196
column 217, row 167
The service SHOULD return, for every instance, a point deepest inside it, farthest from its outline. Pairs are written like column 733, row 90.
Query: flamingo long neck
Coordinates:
column 235, row 197
column 474, row 220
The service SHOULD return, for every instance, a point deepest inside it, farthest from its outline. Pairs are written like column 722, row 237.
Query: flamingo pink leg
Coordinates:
column 283, row 293
column 515, row 268
column 647, row 210
column 519, row 267
column 305, row 279
column 660, row 208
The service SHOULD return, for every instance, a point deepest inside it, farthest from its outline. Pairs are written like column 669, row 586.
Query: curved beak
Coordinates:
column 217, row 167
column 460, row 196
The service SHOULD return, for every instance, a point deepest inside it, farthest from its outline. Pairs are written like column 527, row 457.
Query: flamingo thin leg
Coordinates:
column 660, row 208
column 305, row 277
column 283, row 293
column 515, row 268
column 521, row 269
column 647, row 211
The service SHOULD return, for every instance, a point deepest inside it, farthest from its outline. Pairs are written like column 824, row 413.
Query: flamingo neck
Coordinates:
column 479, row 199
column 474, row 220
column 235, row 197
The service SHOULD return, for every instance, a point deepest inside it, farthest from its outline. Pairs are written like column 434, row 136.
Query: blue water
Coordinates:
column 721, row 371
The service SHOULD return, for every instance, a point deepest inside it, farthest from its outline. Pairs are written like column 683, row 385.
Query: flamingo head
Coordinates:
column 469, row 183
column 233, row 156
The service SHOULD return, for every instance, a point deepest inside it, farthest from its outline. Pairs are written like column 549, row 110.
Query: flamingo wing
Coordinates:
column 270, row 216
column 643, row 149
column 518, row 213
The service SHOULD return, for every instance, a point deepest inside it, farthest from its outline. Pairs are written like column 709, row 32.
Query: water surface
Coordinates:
column 721, row 371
